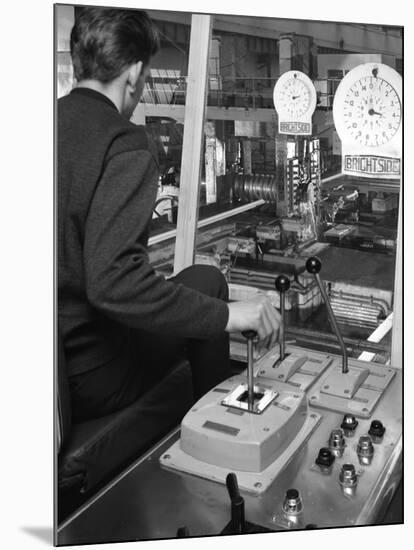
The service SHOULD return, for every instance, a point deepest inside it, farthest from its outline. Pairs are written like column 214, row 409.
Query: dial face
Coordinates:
column 293, row 98
column 367, row 108
column 294, row 95
column 371, row 111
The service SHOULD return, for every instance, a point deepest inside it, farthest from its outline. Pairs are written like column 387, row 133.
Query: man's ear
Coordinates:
column 134, row 73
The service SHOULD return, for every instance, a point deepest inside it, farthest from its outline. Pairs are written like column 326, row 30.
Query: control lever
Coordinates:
column 250, row 335
column 237, row 504
column 282, row 285
column 313, row 266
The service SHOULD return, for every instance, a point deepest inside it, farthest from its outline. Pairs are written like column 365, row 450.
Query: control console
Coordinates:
column 256, row 423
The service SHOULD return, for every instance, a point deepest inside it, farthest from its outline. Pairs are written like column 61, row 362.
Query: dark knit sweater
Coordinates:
column 107, row 181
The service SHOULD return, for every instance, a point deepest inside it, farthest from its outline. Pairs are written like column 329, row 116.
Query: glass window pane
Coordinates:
column 269, row 200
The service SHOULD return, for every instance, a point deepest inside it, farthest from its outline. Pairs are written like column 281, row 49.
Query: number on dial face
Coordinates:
column 294, row 98
column 372, row 111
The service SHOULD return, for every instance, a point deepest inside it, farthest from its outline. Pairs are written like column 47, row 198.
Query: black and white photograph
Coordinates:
column 228, row 274
column 225, row 309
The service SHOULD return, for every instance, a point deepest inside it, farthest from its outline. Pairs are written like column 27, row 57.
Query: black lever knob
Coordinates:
column 313, row 265
column 282, row 283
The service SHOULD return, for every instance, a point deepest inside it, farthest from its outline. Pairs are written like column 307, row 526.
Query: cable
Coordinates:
column 172, row 42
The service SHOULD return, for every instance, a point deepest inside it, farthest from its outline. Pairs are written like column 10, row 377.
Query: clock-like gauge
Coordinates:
column 367, row 106
column 294, row 94
column 294, row 97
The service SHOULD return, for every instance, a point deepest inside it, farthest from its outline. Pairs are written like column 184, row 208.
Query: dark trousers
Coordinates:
column 148, row 357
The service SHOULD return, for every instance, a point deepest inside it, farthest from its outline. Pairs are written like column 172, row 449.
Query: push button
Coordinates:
column 349, row 424
column 348, row 477
column 365, row 450
column 337, row 442
column 325, row 459
column 376, row 431
column 292, row 504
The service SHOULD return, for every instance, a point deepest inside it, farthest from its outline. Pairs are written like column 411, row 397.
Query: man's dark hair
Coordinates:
column 105, row 41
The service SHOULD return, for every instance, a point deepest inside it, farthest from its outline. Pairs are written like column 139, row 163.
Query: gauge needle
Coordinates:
column 372, row 112
column 295, row 96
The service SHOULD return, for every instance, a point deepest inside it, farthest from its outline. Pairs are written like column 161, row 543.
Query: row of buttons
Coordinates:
column 348, row 477
column 365, row 448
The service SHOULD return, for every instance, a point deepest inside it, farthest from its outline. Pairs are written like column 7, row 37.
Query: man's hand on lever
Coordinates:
column 256, row 314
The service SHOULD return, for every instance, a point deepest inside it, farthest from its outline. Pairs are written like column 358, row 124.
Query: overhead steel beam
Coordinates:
column 337, row 35
column 177, row 112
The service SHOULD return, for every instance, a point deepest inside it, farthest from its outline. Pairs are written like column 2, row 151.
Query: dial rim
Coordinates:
column 367, row 106
column 294, row 95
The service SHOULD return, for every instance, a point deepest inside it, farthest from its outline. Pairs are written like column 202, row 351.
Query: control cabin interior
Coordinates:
column 238, row 192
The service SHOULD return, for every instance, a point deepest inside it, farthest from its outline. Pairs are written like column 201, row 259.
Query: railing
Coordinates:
column 248, row 93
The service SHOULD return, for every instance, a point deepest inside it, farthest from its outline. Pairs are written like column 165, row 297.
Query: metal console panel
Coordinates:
column 148, row 501
column 357, row 392
column 300, row 368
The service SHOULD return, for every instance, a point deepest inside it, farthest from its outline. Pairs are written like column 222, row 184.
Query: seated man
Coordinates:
column 122, row 324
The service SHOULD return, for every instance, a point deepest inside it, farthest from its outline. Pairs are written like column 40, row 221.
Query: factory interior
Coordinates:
column 264, row 174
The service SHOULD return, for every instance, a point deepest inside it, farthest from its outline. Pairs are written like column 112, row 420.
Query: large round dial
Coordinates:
column 294, row 95
column 367, row 105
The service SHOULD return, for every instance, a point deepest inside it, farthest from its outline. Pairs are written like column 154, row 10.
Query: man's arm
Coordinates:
column 120, row 282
